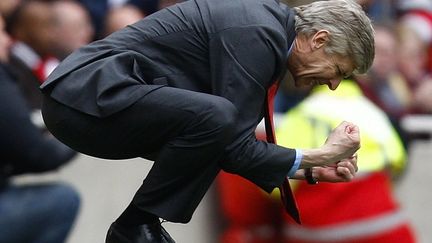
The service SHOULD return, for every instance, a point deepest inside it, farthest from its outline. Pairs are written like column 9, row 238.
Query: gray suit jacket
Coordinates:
column 234, row 49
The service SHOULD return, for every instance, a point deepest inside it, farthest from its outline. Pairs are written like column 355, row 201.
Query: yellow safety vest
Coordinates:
column 308, row 125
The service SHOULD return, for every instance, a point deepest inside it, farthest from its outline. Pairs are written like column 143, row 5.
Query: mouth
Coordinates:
column 312, row 82
column 316, row 83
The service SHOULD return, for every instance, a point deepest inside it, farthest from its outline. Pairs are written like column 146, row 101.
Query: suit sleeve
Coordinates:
column 243, row 63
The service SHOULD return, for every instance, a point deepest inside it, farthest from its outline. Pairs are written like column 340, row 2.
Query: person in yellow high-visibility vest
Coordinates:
column 362, row 211
column 365, row 209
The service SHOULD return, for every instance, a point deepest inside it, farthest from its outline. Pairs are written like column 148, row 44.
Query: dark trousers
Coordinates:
column 183, row 132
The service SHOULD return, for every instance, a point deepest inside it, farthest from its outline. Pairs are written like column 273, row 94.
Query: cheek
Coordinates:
column 322, row 69
column 325, row 74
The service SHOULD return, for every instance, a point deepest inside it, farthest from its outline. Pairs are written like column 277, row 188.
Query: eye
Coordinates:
column 347, row 76
column 341, row 73
column 338, row 71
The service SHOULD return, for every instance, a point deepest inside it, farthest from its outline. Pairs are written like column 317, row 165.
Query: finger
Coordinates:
column 345, row 173
column 349, row 127
column 350, row 163
column 343, row 126
column 352, row 129
column 353, row 160
column 347, row 164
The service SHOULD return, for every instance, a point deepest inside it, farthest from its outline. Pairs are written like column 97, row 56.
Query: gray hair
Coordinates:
column 351, row 32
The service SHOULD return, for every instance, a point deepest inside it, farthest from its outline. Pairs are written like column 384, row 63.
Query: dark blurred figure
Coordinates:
column 146, row 6
column 98, row 10
column 73, row 27
column 32, row 26
column 150, row 6
column 380, row 10
column 29, row 212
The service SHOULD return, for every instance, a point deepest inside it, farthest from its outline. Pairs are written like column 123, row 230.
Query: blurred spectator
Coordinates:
column 417, row 14
column 416, row 20
column 98, row 10
column 120, row 17
column 150, row 6
column 413, row 58
column 384, row 84
column 362, row 211
column 379, row 10
column 32, row 26
column 73, row 27
column 146, row 6
column 36, row 212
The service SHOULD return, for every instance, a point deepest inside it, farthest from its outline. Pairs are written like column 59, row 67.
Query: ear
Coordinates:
column 320, row 38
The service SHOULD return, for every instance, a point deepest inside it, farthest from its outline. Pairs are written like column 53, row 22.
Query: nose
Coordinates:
column 334, row 83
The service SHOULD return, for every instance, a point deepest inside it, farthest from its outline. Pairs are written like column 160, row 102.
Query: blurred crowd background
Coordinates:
column 393, row 101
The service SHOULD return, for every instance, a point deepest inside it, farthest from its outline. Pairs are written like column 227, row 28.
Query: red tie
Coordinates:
column 287, row 196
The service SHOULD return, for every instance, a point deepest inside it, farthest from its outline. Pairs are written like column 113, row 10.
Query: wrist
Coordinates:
column 314, row 157
column 302, row 174
column 299, row 175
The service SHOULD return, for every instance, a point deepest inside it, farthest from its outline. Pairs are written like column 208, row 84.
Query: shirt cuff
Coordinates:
column 296, row 165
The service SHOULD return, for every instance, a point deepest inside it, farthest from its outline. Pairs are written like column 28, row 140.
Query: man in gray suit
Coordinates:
column 187, row 86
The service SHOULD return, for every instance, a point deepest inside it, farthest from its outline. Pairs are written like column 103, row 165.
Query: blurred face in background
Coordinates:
column 412, row 55
column 120, row 17
column 5, row 42
column 385, row 61
column 73, row 27
column 35, row 26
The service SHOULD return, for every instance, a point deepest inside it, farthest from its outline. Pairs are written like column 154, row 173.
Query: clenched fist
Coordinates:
column 342, row 142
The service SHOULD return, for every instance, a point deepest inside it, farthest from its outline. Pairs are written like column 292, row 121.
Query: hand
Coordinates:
column 342, row 171
column 343, row 141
